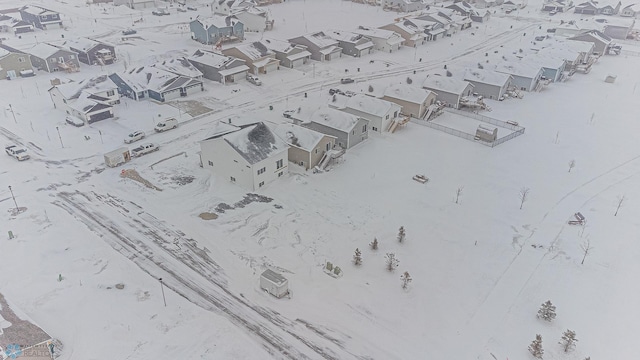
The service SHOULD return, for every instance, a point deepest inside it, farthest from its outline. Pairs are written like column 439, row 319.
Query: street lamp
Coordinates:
column 162, row 288
column 14, row 199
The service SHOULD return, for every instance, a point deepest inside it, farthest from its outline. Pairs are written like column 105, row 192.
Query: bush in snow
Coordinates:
column 536, row 347
column 547, row 311
column 568, row 341
column 357, row 257
column 370, row 88
column 401, row 234
column 409, row 81
column 391, row 261
column 406, row 279
column 374, row 244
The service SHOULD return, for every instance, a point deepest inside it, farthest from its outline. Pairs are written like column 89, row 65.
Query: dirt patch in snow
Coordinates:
column 246, row 200
column 191, row 107
column 208, row 216
column 133, row 175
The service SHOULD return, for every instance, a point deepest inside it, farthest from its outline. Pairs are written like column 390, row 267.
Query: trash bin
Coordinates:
column 270, row 107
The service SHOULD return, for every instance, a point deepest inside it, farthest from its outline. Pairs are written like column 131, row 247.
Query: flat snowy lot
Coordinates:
column 480, row 268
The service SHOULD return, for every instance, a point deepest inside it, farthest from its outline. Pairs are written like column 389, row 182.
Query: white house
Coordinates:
column 306, row 146
column 255, row 19
column 383, row 40
column 349, row 130
column 488, row 83
column 90, row 100
column 380, row 113
column 525, row 75
column 251, row 156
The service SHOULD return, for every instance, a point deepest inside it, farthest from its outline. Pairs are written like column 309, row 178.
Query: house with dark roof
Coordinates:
column 250, row 155
column 148, row 81
column 14, row 26
column 218, row 67
column 321, row 46
column 51, row 58
column 306, row 146
column 348, row 129
column 290, row 55
column 216, row 29
column 13, row 62
column 40, row 17
column 90, row 100
column 488, row 83
column 352, row 44
column 91, row 52
column 256, row 55
column 449, row 90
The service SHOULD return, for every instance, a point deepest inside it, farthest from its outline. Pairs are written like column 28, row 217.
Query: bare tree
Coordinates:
column 568, row 341
column 620, row 201
column 536, row 347
column 572, row 164
column 406, row 279
column 458, row 193
column 357, row 257
column 401, row 234
column 524, row 196
column 547, row 311
column 391, row 261
column 586, row 248
column 374, row 244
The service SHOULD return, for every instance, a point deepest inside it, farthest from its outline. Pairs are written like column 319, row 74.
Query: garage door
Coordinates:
column 100, row 116
column 271, row 68
column 298, row 62
column 193, row 89
column 173, row 94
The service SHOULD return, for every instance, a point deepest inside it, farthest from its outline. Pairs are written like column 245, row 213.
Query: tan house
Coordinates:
column 257, row 56
column 306, row 146
column 14, row 63
column 413, row 99
column 410, row 32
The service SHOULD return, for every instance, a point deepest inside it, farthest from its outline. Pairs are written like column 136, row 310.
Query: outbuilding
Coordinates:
column 274, row 283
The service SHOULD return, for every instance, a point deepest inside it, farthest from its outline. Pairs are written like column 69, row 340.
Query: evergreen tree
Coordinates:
column 391, row 261
column 357, row 257
column 401, row 234
column 536, row 347
column 568, row 341
column 406, row 279
column 547, row 311
column 374, row 244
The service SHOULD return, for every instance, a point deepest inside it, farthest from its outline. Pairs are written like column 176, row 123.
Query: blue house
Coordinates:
column 40, row 17
column 216, row 29
column 141, row 82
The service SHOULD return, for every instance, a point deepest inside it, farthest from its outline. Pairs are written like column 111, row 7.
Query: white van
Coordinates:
column 166, row 124
column 253, row 79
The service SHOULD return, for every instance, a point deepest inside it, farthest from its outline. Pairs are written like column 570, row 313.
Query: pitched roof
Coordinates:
column 178, row 65
column 255, row 143
column 255, row 50
column 212, row 59
column 445, row 84
column 218, row 21
column 335, row 119
column 519, row 68
column 298, row 136
column 379, row 33
column 365, row 104
column 151, row 78
column 44, row 50
column 414, row 94
column 486, row 76
column 73, row 90
column 81, row 43
column 37, row 10
column 321, row 40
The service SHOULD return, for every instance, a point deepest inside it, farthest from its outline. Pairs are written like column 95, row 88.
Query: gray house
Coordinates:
column 526, row 76
column 290, row 55
column 92, row 52
column 216, row 30
column 50, row 58
column 449, row 90
column 217, row 67
column 352, row 44
column 13, row 62
column 405, row 5
column 40, row 17
column 141, row 82
column 552, row 66
column 321, row 46
column 14, row 26
column 349, row 130
column 600, row 41
column 488, row 83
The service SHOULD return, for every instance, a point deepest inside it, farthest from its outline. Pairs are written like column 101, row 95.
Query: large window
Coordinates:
column 261, row 171
column 279, row 164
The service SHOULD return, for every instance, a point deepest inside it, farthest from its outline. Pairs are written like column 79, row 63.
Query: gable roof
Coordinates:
column 489, row 77
column 390, row 36
column 44, row 50
column 37, row 10
column 178, row 65
column 594, row 34
column 83, row 44
column 365, row 104
column 217, row 21
column 519, row 68
column 282, row 46
column 8, row 48
column 445, row 84
column 151, row 78
column 73, row 90
column 347, row 36
column 212, row 59
column 334, row 119
column 321, row 40
column 255, row 50
column 255, row 143
column 298, row 136
column 414, row 94
column 85, row 104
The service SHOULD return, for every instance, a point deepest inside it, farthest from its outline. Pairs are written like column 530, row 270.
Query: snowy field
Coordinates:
column 481, row 266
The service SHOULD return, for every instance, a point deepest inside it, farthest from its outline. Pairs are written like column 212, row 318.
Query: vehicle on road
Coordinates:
column 192, row 8
column 540, row 38
column 254, row 79
column 134, row 136
column 166, row 124
column 181, row 9
column 288, row 113
column 349, row 93
column 117, row 157
column 335, row 91
column 72, row 120
column 144, row 149
column 347, row 81
column 160, row 12
column 129, row 32
column 17, row 152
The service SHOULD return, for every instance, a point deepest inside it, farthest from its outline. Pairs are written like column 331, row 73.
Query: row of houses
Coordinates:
column 593, row 7
column 28, row 18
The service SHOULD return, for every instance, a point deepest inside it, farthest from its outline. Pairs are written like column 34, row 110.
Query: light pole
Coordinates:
column 14, row 199
column 162, row 288
column 12, row 113
column 60, row 137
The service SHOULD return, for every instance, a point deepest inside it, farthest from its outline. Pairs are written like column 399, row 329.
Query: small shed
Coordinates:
column 274, row 283
column 610, row 78
column 485, row 133
column 117, row 157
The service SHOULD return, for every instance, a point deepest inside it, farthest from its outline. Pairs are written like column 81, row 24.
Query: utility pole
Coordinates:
column 60, row 137
column 12, row 113
column 14, row 199
column 162, row 288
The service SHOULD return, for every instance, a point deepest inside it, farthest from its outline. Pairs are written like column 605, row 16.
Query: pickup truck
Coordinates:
column 17, row 152
column 144, row 149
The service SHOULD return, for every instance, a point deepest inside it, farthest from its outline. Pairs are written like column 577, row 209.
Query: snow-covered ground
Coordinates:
column 480, row 267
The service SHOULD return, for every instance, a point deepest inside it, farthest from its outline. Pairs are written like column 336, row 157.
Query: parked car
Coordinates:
column 129, row 32
column 347, row 81
column 540, row 38
column 17, row 152
column 181, row 9
column 254, row 79
column 553, row 12
column 288, row 113
column 349, row 93
column 71, row 120
column 166, row 124
column 552, row 30
column 134, row 136
column 192, row 8
column 160, row 12
column 335, row 91
column 144, row 149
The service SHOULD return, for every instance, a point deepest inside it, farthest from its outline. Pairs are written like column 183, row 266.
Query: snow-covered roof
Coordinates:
column 255, row 143
column 81, row 43
column 4, row 53
column 424, row 24
column 321, row 40
column 282, row 46
column 212, row 59
column 43, row 50
column 298, row 136
column 414, row 94
column 219, row 129
column 347, row 36
column 596, row 35
column 439, row 83
column 365, row 104
column 335, row 119
column 519, row 68
column 151, row 78
column 409, row 27
column 545, row 61
column 85, row 104
column 218, row 21
column 254, row 10
column 37, row 10
column 179, row 65
column 486, row 76
column 255, row 50
column 73, row 90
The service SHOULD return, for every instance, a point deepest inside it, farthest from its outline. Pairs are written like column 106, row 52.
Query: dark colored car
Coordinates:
column 129, row 32
column 347, row 81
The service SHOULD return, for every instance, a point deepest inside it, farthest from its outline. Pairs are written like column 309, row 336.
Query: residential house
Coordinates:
column 349, row 130
column 488, row 83
column 290, row 55
column 557, row 5
column 610, row 8
column 250, row 156
column 148, row 81
column 136, row 4
column 587, row 8
column 414, row 100
column 14, row 26
column 217, row 67
column 553, row 67
column 449, row 26
column 40, row 17
column 380, row 113
column 257, row 56
column 601, row 42
column 321, row 46
column 51, row 58
column 226, row 7
column 526, row 76
column 448, row 90
column 90, row 100
column 405, row 5
column 13, row 62
column 92, row 52
column 572, row 52
column 462, row 7
column 383, row 40
column 306, row 146
column 631, row 10
column 180, row 66
column 216, row 29
column 617, row 28
column 511, row 5
column 254, row 19
column 460, row 22
column 410, row 32
column 481, row 17
column 352, row 44
column 433, row 30
column 483, row 4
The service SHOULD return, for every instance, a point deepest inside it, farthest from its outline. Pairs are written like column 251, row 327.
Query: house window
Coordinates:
column 328, row 144
column 261, row 171
column 233, row 179
column 64, row 101
column 235, row 161
column 261, row 184
column 52, row 60
column 61, row 59
column 387, row 117
column 280, row 173
column 374, row 128
column 111, row 93
column 279, row 164
column 301, row 163
column 316, row 151
column 21, row 59
column 210, row 163
column 364, row 128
